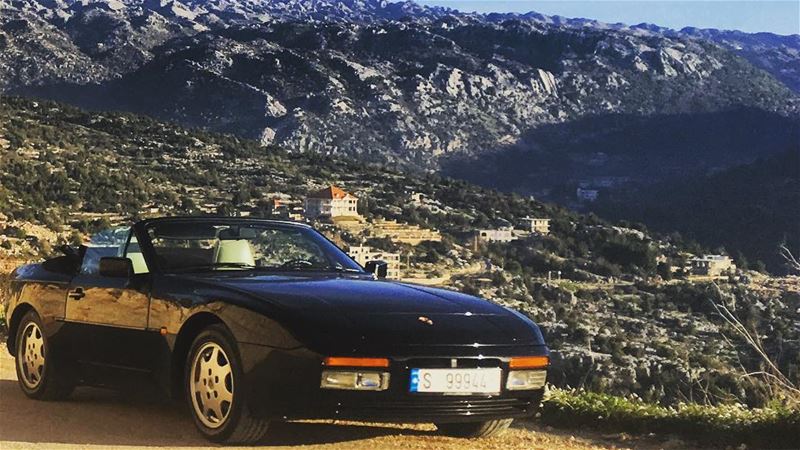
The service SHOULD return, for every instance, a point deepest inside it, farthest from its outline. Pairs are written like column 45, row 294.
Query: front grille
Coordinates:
column 427, row 408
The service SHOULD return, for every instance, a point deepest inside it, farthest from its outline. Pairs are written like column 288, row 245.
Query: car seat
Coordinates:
column 234, row 252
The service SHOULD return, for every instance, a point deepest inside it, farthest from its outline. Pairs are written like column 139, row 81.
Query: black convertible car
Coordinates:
column 256, row 320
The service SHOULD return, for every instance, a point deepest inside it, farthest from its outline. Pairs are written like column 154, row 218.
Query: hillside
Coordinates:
column 614, row 326
column 751, row 208
column 639, row 168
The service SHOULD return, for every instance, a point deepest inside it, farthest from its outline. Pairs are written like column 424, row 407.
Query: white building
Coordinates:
column 712, row 265
column 535, row 225
column 505, row 234
column 331, row 202
column 362, row 254
column 417, row 198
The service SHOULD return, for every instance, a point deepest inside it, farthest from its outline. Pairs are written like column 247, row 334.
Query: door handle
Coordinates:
column 76, row 294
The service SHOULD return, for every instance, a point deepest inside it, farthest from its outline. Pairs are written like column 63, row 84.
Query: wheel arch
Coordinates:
column 13, row 324
column 193, row 326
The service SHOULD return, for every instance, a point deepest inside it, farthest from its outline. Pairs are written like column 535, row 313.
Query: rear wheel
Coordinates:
column 483, row 429
column 40, row 371
column 214, row 389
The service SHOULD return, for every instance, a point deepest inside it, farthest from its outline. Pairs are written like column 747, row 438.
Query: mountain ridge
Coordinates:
column 768, row 51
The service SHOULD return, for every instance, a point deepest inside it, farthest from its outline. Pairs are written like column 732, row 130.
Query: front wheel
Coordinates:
column 41, row 373
column 214, row 389
column 483, row 429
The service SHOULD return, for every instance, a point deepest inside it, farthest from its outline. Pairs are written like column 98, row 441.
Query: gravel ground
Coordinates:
column 97, row 418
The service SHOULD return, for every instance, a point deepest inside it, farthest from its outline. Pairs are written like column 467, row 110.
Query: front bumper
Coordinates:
column 412, row 408
column 296, row 394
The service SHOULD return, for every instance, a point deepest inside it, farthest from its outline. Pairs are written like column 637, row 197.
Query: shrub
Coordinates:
column 775, row 426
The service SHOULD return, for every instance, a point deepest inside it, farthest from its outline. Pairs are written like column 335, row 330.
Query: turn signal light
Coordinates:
column 529, row 362
column 344, row 361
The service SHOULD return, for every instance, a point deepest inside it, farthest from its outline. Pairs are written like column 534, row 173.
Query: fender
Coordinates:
column 34, row 287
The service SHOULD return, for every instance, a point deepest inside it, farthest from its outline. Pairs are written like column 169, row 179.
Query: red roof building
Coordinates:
column 331, row 202
column 331, row 192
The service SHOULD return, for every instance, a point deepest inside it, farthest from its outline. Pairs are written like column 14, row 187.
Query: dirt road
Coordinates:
column 96, row 418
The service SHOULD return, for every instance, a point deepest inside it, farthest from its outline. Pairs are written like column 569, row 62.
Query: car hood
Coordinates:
column 366, row 310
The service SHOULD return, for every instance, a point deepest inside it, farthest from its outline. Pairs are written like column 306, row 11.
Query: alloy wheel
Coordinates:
column 211, row 384
column 32, row 355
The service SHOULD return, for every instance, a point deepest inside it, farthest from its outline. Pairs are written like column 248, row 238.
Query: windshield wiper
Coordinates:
column 291, row 268
column 212, row 266
column 344, row 269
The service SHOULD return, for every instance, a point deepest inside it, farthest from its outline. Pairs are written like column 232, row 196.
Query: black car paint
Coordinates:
column 284, row 324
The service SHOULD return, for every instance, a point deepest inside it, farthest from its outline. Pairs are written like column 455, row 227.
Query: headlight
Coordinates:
column 351, row 380
column 521, row 380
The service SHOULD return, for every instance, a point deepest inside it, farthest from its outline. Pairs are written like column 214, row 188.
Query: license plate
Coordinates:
column 456, row 381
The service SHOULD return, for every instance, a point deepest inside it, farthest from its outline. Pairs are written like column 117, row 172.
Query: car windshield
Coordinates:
column 206, row 245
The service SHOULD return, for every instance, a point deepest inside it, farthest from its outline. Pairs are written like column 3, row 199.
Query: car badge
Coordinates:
column 425, row 320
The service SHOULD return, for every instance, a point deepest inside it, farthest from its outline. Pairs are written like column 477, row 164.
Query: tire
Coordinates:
column 215, row 392
column 41, row 371
column 484, row 429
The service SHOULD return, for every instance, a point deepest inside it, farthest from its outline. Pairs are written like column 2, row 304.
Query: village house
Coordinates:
column 362, row 254
column 503, row 234
column 276, row 207
column 283, row 206
column 417, row 198
column 535, row 225
column 151, row 208
column 712, row 265
column 331, row 202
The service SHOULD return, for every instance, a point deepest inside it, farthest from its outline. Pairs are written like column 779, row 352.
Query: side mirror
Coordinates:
column 113, row 267
column 69, row 251
column 377, row 268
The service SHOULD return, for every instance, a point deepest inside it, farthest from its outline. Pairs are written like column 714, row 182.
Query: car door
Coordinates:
column 109, row 315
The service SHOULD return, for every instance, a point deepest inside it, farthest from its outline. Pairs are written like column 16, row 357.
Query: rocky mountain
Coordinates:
column 353, row 79
column 776, row 54
column 531, row 103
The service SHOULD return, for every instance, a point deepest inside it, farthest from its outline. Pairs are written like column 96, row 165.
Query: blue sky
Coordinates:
column 775, row 16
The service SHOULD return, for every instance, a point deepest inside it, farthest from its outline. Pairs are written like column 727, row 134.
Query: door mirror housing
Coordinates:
column 68, row 264
column 114, row 267
column 377, row 268
column 69, row 251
